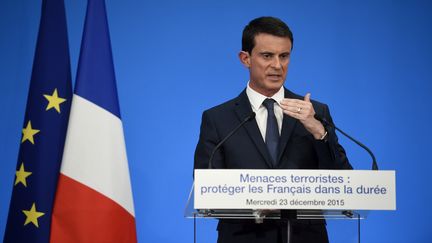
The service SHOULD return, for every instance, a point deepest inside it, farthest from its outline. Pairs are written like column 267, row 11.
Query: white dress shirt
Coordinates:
column 256, row 99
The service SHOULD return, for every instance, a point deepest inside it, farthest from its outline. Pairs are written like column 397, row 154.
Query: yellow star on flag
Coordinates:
column 28, row 133
column 21, row 175
column 32, row 215
column 54, row 101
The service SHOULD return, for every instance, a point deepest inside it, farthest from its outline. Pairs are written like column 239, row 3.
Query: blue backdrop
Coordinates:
column 369, row 60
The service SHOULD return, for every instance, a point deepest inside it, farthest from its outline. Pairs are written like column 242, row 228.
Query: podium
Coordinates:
column 261, row 195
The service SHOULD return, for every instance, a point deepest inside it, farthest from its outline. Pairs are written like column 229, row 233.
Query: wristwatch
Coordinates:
column 324, row 137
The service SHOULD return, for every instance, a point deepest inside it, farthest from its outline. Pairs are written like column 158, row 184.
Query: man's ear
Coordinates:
column 244, row 58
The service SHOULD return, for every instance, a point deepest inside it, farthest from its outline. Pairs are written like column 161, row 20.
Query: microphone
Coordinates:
column 248, row 118
column 328, row 124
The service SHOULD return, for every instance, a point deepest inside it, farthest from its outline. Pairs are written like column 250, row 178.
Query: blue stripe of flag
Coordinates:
column 96, row 78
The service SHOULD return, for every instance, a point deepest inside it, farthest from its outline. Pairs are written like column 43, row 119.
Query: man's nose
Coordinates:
column 276, row 63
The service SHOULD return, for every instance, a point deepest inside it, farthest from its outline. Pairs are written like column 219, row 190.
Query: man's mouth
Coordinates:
column 274, row 76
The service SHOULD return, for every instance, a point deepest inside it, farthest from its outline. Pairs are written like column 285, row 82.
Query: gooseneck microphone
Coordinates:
column 328, row 124
column 248, row 118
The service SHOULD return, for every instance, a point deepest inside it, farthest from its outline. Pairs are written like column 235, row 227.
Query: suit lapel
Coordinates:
column 243, row 109
column 288, row 125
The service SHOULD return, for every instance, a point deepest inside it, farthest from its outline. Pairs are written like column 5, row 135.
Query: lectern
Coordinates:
column 260, row 195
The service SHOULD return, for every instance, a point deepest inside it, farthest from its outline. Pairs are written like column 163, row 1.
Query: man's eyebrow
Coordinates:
column 269, row 52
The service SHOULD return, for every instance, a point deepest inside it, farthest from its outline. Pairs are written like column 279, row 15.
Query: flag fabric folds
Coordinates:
column 94, row 197
column 44, row 130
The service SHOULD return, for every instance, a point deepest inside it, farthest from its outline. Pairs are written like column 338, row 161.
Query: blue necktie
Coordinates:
column 272, row 130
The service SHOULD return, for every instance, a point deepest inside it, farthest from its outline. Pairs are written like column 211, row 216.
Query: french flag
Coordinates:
column 93, row 201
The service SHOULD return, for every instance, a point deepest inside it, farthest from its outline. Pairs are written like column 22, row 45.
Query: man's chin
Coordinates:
column 275, row 84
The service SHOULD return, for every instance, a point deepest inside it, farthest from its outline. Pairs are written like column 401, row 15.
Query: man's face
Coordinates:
column 268, row 63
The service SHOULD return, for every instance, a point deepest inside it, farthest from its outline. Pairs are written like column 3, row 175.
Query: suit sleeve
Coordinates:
column 330, row 153
column 208, row 139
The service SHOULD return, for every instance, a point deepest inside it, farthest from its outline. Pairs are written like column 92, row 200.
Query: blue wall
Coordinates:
column 369, row 60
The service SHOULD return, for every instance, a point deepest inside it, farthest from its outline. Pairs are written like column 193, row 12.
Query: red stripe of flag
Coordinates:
column 77, row 208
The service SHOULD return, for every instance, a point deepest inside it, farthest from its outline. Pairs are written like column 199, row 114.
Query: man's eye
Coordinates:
column 284, row 56
column 266, row 55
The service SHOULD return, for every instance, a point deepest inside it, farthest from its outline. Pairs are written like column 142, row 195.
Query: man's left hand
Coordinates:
column 304, row 112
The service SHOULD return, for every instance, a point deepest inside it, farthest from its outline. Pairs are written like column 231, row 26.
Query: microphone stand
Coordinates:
column 248, row 118
column 331, row 125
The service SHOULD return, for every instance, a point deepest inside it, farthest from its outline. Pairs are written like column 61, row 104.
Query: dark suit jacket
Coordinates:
column 246, row 149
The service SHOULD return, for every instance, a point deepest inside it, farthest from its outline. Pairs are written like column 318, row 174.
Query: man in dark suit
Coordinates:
column 283, row 135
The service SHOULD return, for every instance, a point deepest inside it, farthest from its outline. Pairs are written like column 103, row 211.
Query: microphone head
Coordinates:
column 251, row 116
column 322, row 120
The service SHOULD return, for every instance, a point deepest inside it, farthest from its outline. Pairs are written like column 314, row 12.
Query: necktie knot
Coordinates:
column 268, row 104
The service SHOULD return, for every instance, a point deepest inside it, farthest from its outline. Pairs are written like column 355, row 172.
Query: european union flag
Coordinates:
column 43, row 132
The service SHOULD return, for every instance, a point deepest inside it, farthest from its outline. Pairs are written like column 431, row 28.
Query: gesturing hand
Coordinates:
column 304, row 112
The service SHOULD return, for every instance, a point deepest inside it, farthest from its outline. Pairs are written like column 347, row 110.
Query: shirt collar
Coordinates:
column 256, row 99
